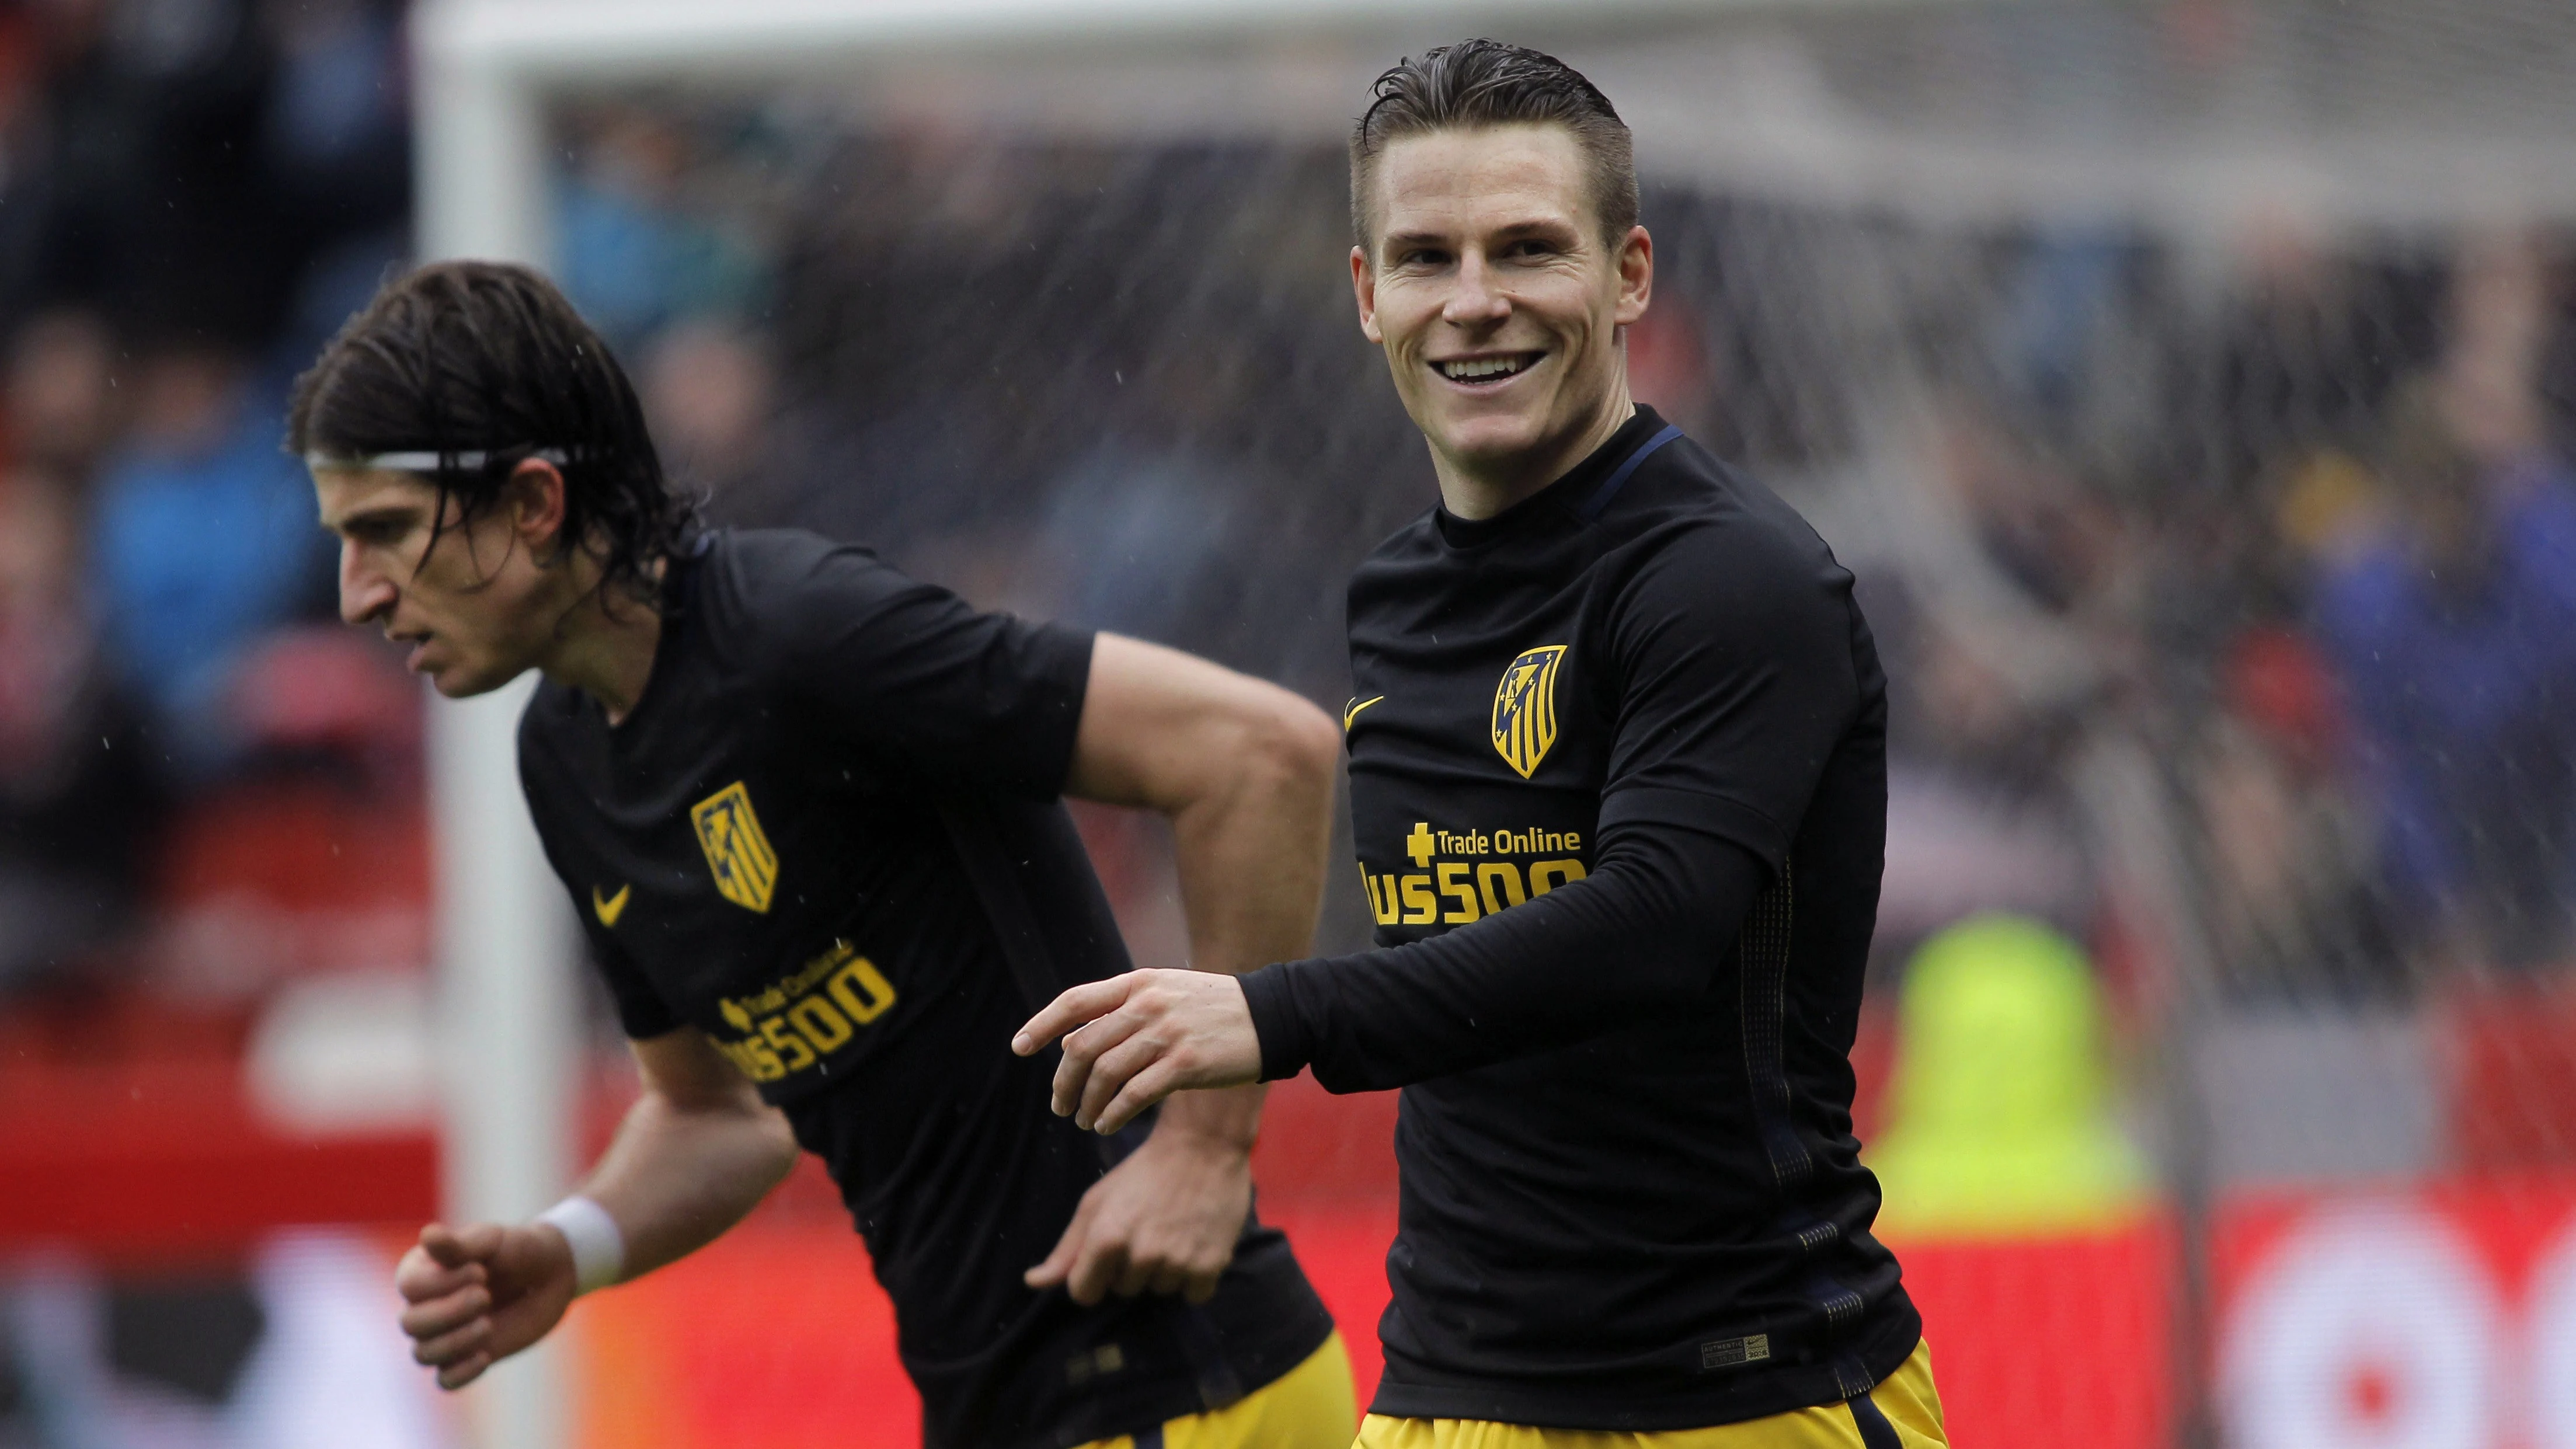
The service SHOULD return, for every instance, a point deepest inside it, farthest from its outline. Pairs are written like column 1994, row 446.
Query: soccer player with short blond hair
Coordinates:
column 1618, row 788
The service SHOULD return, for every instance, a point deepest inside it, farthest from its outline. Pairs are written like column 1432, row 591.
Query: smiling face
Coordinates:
column 1499, row 304
column 480, row 608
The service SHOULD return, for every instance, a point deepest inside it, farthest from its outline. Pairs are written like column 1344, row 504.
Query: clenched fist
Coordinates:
column 477, row 1295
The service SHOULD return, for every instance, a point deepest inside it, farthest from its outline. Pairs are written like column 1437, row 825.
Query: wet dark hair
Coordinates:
column 1487, row 83
column 487, row 357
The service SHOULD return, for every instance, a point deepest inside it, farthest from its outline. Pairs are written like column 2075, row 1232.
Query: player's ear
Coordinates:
column 534, row 495
column 1636, row 262
column 1364, row 290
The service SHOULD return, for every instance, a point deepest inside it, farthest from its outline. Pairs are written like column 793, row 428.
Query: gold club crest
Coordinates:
column 1525, row 708
column 738, row 851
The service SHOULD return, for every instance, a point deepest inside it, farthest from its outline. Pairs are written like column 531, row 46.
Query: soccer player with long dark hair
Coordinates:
column 807, row 809
column 1618, row 786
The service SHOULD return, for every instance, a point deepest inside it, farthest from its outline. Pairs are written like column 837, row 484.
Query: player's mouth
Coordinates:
column 1486, row 372
column 419, row 649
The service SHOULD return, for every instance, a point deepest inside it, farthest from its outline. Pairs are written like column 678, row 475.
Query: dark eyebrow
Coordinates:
column 1552, row 226
column 1539, row 226
column 374, row 513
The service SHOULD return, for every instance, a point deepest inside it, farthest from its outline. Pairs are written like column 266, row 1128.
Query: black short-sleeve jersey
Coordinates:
column 1656, row 1221
column 828, row 837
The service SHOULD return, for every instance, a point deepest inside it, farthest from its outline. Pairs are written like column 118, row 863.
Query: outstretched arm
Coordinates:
column 1640, row 937
column 1244, row 771
column 1741, row 668
column 697, row 1151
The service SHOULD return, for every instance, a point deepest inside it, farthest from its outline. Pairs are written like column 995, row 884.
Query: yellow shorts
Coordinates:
column 1907, row 1402
column 1312, row 1406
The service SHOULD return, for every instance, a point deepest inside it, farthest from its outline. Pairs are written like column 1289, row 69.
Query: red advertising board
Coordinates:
column 2433, row 1317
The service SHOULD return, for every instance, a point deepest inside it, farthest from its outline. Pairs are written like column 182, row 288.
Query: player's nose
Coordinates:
column 365, row 592
column 1476, row 300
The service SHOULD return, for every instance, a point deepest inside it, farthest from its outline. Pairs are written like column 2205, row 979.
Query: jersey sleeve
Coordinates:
column 1497, row 989
column 1732, row 653
column 914, row 675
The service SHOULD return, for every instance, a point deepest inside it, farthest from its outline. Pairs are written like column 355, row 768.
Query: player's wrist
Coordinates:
column 1215, row 1143
column 596, row 1245
column 1218, row 1123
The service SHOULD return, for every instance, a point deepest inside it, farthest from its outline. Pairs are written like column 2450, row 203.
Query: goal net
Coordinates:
column 2188, row 386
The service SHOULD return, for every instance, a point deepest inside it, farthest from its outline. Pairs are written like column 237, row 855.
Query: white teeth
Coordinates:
column 1474, row 369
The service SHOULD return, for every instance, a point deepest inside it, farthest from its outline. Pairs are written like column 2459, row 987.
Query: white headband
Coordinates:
column 428, row 462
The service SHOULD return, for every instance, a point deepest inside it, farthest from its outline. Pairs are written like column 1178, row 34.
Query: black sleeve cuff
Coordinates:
column 1285, row 1045
column 1062, row 657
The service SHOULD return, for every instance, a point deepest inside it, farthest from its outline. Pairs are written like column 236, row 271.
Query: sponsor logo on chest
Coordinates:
column 795, row 1023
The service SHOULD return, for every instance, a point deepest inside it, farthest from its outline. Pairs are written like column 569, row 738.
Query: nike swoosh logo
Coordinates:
column 609, row 908
column 1353, row 711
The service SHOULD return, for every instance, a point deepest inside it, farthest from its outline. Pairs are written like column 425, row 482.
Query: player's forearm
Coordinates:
column 676, row 1177
column 1642, row 936
column 1251, row 859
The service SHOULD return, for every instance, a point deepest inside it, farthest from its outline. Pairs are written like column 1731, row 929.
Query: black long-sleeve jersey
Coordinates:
column 828, row 837
column 1618, row 786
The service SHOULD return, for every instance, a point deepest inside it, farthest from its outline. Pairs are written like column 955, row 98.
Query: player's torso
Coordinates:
column 1480, row 734
column 1619, row 1183
column 1477, row 748
column 795, row 904
column 805, row 905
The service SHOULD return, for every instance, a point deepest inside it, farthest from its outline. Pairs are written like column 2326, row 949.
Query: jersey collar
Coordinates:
column 1567, row 494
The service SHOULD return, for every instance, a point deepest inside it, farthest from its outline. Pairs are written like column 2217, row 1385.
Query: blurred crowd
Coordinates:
column 192, row 194
column 2281, row 663
column 2223, row 581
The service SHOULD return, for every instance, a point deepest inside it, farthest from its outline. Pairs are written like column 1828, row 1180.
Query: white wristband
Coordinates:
column 598, row 1248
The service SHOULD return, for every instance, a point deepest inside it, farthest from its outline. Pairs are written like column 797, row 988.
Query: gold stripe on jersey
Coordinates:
column 738, row 850
column 1525, row 708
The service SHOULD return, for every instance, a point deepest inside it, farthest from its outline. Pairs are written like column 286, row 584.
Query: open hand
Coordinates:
column 477, row 1295
column 1149, row 1034
column 1163, row 1221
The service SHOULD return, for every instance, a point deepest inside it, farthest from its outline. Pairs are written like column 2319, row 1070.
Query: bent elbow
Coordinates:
column 1308, row 744
column 1294, row 752
column 778, row 1146
column 1272, row 736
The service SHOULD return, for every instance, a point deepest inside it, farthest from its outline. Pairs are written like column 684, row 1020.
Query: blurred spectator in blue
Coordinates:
column 203, row 538
column 77, row 791
column 635, row 256
column 338, row 144
column 2456, row 638
column 336, row 129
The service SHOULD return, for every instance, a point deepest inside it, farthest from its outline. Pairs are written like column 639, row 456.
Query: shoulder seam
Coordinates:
column 1591, row 507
